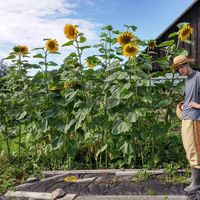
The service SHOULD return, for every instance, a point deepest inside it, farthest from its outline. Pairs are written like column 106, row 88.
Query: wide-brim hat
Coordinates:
column 179, row 111
column 180, row 60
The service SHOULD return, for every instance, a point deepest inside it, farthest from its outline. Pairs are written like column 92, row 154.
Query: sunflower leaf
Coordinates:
column 10, row 57
column 51, row 63
column 172, row 34
column 68, row 43
column 82, row 39
column 37, row 49
column 116, row 32
column 39, row 55
column 189, row 42
column 84, row 47
column 132, row 27
column 182, row 24
column 166, row 43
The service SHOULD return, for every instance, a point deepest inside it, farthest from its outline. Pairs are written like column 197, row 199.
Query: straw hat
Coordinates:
column 179, row 60
column 179, row 111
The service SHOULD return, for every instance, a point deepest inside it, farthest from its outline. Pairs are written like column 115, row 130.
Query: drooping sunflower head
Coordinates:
column 125, row 38
column 70, row 31
column 152, row 44
column 130, row 50
column 185, row 32
column 21, row 50
column 52, row 45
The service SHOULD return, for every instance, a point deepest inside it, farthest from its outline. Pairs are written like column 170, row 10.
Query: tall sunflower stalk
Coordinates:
column 51, row 47
column 72, row 34
column 17, row 56
column 128, row 42
column 184, row 33
column 21, row 52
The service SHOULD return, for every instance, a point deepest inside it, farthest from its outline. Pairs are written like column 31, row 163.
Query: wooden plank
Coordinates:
column 37, row 195
column 105, row 171
column 23, row 194
column 132, row 197
column 98, row 171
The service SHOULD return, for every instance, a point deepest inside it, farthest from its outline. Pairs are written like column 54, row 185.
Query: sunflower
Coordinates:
column 130, row 50
column 52, row 45
column 70, row 179
column 125, row 38
column 152, row 44
column 70, row 31
column 185, row 32
column 21, row 50
column 90, row 64
column 68, row 85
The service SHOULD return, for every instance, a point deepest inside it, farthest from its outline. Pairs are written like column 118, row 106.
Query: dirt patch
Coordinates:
column 105, row 184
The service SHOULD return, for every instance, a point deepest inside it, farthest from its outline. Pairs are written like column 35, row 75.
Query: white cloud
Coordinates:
column 28, row 22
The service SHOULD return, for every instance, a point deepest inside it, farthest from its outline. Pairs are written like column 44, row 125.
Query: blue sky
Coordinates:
column 27, row 22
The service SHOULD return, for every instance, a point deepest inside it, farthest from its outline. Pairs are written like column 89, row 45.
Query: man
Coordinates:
column 190, row 117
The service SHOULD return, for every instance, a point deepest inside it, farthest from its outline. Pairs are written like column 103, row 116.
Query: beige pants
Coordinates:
column 191, row 141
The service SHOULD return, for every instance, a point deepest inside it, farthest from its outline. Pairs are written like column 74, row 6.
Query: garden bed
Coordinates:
column 109, row 183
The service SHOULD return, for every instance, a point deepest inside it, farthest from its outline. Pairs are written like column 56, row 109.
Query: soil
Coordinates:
column 107, row 184
column 112, row 185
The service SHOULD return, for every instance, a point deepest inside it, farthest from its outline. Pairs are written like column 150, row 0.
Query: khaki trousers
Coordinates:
column 191, row 141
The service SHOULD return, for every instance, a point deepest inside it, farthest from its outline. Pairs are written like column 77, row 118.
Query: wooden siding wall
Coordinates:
column 192, row 16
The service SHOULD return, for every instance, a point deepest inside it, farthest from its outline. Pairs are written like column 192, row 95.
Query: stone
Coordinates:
column 58, row 193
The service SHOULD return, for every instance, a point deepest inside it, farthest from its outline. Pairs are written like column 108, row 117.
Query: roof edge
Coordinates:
column 171, row 24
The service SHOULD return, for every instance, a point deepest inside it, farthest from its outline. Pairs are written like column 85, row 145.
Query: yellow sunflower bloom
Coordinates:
column 23, row 50
column 91, row 64
column 130, row 50
column 185, row 32
column 70, row 179
column 68, row 85
column 152, row 44
column 52, row 45
column 125, row 38
column 70, row 31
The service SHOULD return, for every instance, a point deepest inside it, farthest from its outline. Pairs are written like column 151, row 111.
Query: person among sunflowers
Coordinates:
column 190, row 116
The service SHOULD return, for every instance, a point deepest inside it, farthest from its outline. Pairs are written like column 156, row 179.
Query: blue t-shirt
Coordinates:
column 192, row 93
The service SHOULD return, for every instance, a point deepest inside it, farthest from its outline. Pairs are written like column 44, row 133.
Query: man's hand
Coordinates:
column 193, row 104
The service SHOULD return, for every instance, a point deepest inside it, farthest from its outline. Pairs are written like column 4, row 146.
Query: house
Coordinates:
column 192, row 16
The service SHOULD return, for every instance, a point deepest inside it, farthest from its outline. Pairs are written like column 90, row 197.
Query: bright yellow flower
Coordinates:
column 70, row 179
column 68, row 85
column 52, row 45
column 185, row 32
column 152, row 44
column 130, row 50
column 23, row 50
column 125, row 38
column 91, row 64
column 70, row 31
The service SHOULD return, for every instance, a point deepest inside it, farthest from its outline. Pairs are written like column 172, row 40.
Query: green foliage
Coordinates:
column 113, row 116
column 142, row 175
